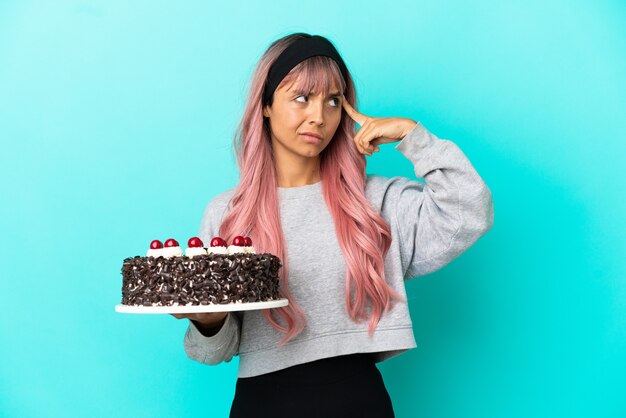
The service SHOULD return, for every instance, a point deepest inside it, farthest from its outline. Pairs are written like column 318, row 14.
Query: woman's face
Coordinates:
column 294, row 113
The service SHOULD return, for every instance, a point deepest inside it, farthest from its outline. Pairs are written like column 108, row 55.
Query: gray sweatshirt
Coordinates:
column 431, row 224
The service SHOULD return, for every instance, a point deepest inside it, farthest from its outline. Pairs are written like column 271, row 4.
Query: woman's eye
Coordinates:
column 335, row 99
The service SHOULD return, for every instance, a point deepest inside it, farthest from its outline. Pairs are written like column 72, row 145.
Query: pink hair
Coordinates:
column 363, row 235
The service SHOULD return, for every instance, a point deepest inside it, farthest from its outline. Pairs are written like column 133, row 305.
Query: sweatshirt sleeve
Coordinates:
column 437, row 220
column 217, row 348
column 225, row 344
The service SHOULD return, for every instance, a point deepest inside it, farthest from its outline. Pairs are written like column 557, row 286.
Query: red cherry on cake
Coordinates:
column 239, row 241
column 171, row 243
column 218, row 242
column 195, row 242
column 248, row 241
column 156, row 244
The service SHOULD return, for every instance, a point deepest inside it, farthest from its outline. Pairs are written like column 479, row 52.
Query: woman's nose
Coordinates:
column 317, row 111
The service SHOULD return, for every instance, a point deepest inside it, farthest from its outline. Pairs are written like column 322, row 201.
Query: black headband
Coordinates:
column 294, row 54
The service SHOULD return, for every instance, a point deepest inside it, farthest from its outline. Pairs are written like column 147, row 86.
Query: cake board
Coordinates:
column 225, row 307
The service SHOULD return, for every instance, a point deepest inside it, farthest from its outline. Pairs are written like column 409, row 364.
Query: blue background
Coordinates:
column 116, row 122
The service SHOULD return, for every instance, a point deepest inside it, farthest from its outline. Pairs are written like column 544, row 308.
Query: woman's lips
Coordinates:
column 311, row 139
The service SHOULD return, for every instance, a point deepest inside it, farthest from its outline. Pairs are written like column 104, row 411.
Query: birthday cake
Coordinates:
column 218, row 274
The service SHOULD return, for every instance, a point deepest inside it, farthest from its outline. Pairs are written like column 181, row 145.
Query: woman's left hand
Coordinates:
column 375, row 131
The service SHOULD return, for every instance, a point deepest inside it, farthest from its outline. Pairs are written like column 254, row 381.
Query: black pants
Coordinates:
column 344, row 386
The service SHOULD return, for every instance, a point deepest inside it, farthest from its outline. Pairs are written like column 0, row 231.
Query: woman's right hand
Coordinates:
column 208, row 323
column 204, row 318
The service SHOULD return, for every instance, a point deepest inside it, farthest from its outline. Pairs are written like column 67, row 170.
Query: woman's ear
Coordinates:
column 265, row 112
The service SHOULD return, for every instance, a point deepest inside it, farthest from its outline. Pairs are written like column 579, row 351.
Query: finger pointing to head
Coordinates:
column 356, row 116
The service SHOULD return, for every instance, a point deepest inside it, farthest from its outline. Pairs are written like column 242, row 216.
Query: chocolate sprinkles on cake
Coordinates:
column 218, row 275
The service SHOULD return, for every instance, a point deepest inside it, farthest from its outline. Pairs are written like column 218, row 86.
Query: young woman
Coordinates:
column 347, row 241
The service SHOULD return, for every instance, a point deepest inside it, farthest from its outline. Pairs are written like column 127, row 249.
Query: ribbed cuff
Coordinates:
column 216, row 341
column 417, row 144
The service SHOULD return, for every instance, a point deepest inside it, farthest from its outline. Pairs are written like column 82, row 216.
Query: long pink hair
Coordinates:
column 363, row 235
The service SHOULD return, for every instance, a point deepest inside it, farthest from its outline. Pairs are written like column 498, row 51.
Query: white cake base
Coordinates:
column 227, row 307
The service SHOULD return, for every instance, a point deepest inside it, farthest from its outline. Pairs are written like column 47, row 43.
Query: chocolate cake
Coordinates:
column 203, row 276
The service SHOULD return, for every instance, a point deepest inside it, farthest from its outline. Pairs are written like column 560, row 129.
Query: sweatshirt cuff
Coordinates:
column 417, row 144
column 216, row 341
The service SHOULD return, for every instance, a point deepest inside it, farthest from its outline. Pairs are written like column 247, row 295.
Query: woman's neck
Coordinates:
column 296, row 171
column 296, row 181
